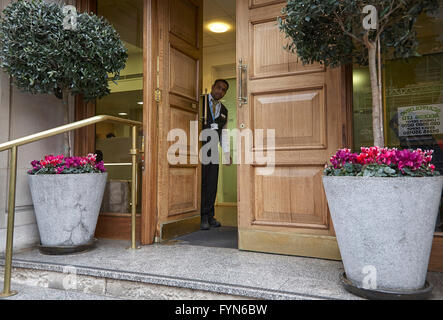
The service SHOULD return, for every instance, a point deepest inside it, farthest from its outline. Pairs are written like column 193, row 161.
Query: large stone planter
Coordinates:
column 66, row 208
column 384, row 229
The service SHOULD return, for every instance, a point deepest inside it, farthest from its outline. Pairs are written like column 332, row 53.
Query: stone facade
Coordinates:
column 22, row 114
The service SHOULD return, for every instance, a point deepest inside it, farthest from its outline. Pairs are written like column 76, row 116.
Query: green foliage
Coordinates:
column 43, row 57
column 377, row 170
column 331, row 31
column 349, row 169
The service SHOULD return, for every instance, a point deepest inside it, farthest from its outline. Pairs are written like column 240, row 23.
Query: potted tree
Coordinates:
column 47, row 49
column 383, row 202
column 50, row 49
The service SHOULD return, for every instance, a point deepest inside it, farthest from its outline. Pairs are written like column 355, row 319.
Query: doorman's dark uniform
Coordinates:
column 210, row 171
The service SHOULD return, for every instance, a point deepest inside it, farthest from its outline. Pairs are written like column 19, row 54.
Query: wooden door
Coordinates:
column 286, row 211
column 180, row 27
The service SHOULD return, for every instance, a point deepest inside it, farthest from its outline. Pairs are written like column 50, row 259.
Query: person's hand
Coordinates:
column 228, row 159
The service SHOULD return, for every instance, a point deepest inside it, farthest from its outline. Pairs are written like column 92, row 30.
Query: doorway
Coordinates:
column 282, row 210
column 219, row 62
column 306, row 106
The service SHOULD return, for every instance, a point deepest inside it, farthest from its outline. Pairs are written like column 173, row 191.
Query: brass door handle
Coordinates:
column 242, row 96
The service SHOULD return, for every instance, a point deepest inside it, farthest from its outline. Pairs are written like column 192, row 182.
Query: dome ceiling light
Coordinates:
column 218, row 27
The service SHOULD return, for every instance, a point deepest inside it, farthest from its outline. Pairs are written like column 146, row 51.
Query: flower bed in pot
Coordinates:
column 384, row 205
column 67, row 193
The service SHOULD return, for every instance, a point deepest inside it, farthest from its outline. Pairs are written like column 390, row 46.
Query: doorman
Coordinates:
column 215, row 118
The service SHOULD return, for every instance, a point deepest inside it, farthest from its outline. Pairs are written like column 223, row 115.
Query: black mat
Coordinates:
column 223, row 237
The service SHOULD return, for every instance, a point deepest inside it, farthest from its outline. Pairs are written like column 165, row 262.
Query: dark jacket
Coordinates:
column 221, row 120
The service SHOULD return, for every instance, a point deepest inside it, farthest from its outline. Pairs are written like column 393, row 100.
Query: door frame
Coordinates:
column 150, row 123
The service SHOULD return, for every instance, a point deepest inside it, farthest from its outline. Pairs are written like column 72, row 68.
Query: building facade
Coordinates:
column 173, row 58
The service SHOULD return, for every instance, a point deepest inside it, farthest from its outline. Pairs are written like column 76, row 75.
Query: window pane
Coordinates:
column 125, row 101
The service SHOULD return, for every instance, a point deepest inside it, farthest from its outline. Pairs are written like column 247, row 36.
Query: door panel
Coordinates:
column 286, row 211
column 298, row 116
column 184, row 20
column 273, row 62
column 180, row 80
column 258, row 3
column 301, row 202
column 184, row 74
column 183, row 190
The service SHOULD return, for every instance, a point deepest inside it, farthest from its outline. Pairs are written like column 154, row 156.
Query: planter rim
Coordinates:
column 66, row 174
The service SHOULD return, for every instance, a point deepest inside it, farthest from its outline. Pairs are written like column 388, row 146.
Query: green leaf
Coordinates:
column 42, row 57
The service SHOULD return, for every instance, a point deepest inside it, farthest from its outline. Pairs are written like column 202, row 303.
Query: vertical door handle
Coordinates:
column 242, row 95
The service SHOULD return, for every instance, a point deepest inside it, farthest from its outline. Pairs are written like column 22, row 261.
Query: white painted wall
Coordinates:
column 217, row 56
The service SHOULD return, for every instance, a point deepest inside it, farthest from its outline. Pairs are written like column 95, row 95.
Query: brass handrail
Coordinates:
column 13, row 146
column 66, row 128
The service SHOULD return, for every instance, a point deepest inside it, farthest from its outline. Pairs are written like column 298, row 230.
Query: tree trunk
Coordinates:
column 377, row 113
column 67, row 135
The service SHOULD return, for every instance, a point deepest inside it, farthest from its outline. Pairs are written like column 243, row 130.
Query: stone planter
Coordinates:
column 67, row 208
column 384, row 228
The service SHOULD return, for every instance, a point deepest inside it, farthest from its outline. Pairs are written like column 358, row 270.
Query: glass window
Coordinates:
column 413, row 96
column 113, row 141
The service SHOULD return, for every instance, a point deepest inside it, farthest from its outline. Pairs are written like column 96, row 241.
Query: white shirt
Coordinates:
column 225, row 136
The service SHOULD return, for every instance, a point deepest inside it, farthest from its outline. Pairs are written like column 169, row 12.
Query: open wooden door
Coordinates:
column 286, row 212
column 180, row 28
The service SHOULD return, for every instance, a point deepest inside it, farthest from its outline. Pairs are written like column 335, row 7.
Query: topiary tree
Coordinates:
column 46, row 51
column 338, row 32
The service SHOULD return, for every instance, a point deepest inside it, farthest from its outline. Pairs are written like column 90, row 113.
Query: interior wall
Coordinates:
column 220, row 62
column 223, row 55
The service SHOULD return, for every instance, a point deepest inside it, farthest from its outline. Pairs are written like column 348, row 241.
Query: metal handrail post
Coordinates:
column 10, row 229
column 134, row 153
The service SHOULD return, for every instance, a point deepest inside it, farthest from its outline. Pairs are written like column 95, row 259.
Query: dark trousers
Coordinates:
column 209, row 189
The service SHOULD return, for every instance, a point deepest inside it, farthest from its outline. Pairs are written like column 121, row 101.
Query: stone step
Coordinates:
column 26, row 292
column 96, row 283
column 182, row 271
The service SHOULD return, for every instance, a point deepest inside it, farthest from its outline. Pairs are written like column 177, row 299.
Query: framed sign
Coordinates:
column 420, row 120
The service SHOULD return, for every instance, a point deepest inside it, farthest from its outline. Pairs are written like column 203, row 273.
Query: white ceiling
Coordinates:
column 218, row 10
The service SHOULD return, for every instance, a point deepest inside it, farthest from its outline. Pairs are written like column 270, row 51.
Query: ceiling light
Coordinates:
column 218, row 27
column 141, row 102
column 122, row 114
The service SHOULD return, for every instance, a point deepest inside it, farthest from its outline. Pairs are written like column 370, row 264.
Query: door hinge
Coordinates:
column 142, row 153
column 158, row 95
column 158, row 92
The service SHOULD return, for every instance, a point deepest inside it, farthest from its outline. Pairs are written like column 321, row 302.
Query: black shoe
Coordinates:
column 214, row 223
column 204, row 225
